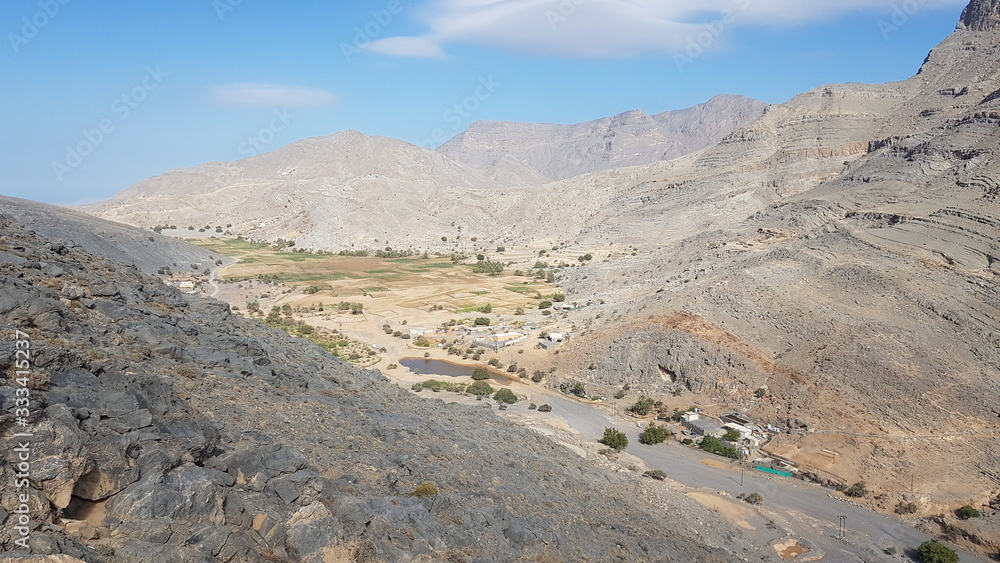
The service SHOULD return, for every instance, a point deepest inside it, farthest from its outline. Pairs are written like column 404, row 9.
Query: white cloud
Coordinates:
column 422, row 47
column 270, row 95
column 612, row 28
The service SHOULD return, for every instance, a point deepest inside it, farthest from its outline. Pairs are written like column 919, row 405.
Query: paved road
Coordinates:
column 807, row 511
column 211, row 281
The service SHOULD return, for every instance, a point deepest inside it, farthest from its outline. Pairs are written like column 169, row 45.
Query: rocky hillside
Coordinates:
column 632, row 138
column 164, row 428
column 147, row 250
column 849, row 282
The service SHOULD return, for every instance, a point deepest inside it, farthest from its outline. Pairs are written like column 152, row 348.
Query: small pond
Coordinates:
column 425, row 366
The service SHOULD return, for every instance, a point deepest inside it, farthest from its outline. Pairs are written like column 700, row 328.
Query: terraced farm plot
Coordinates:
column 386, row 286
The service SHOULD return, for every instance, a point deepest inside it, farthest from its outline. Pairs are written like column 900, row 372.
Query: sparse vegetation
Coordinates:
column 906, row 508
column 480, row 374
column 545, row 408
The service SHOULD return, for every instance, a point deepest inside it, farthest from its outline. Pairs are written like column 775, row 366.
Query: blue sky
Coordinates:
column 99, row 96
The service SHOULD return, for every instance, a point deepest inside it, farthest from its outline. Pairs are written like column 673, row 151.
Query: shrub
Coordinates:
column 546, row 304
column 653, row 435
column 482, row 321
column 505, row 396
column 496, row 363
column 545, row 408
column 480, row 388
column 425, row 490
column 487, row 308
column 614, row 439
column 537, row 376
column 479, row 374
column 966, row 512
column 754, row 498
column 656, row 474
column 422, row 341
column 578, row 389
column 532, row 407
column 934, row 552
column 620, row 394
column 687, row 441
column 906, row 508
column 857, row 490
column 559, row 297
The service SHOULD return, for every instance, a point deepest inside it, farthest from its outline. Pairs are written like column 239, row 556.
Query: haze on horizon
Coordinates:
column 102, row 97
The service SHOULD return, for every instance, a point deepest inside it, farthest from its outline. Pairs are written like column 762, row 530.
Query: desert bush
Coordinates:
column 505, row 396
column 857, row 490
column 545, row 408
column 480, row 374
column 906, row 508
column 537, row 376
column 425, row 490
column 754, row 498
column 656, row 474
column 966, row 512
column 480, row 388
column 614, row 439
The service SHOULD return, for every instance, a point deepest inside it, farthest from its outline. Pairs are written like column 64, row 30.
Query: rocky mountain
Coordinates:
column 319, row 192
column 164, row 428
column 632, row 138
column 834, row 263
column 323, row 192
column 147, row 250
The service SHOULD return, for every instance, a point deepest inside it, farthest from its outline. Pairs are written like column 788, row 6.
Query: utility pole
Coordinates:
column 842, row 532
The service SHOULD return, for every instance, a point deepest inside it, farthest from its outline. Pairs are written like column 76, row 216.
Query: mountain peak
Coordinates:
column 981, row 15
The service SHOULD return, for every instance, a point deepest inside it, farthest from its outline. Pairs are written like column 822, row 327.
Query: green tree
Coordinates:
column 732, row 436
column 653, row 435
column 486, row 309
column 505, row 397
column 712, row 445
column 935, row 552
column 480, row 373
column 482, row 321
column 422, row 341
column 615, row 439
column 559, row 297
column 642, row 407
column 546, row 304
column 545, row 408
column 578, row 389
column 480, row 388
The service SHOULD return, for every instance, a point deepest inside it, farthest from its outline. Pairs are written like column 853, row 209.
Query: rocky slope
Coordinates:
column 164, row 428
column 863, row 299
column 147, row 250
column 632, row 138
